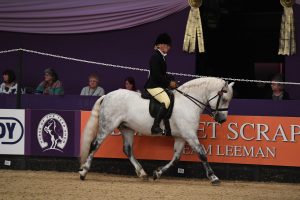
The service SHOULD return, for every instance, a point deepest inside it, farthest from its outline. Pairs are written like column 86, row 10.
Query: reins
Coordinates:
column 197, row 102
column 203, row 105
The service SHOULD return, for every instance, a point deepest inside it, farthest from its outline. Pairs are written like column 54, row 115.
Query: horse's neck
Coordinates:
column 198, row 91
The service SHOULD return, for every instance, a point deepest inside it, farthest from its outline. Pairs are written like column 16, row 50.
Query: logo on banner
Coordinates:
column 52, row 132
column 11, row 130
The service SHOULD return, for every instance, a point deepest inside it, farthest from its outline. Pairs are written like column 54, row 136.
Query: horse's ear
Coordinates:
column 231, row 84
column 224, row 89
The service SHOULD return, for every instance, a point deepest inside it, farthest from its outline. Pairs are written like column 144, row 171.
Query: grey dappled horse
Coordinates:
column 127, row 111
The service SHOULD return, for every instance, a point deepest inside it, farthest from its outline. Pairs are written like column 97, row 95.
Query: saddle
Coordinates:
column 154, row 106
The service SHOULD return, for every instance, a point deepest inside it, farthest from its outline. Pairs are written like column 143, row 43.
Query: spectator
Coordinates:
column 51, row 85
column 129, row 84
column 93, row 89
column 278, row 92
column 9, row 86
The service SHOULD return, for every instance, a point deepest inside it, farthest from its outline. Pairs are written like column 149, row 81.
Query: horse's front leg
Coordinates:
column 128, row 135
column 178, row 147
column 194, row 143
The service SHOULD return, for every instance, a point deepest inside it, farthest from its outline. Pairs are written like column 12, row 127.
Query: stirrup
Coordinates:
column 164, row 133
column 167, row 133
column 157, row 131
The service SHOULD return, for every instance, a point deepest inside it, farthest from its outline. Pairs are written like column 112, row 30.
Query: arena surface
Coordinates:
column 66, row 185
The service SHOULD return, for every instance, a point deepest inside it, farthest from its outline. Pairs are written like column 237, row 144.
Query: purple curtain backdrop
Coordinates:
column 77, row 16
column 129, row 47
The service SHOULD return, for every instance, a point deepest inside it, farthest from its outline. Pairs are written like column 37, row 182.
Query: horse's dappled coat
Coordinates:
column 129, row 112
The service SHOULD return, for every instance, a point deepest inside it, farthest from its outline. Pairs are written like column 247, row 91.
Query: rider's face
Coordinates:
column 164, row 48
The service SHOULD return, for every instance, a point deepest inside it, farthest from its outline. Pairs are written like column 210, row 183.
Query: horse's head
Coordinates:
column 219, row 102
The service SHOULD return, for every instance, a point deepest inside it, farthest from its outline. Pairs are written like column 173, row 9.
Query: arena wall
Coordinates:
column 265, row 147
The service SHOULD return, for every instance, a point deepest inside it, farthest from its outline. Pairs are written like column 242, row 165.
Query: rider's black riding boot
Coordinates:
column 167, row 127
column 161, row 112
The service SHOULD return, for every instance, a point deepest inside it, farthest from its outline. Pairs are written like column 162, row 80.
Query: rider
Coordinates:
column 159, row 80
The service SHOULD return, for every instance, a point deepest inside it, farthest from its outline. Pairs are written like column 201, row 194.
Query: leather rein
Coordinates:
column 200, row 104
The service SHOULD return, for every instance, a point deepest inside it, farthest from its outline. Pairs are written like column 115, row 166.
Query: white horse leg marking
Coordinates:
column 178, row 147
column 194, row 143
column 128, row 135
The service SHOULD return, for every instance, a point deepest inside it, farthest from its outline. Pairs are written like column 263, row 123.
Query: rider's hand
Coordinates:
column 173, row 84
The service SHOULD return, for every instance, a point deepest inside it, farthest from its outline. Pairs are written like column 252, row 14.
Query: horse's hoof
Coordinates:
column 82, row 177
column 142, row 174
column 216, row 183
column 82, row 174
column 156, row 175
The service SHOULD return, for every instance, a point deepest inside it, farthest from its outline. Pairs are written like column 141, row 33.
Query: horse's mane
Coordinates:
column 202, row 83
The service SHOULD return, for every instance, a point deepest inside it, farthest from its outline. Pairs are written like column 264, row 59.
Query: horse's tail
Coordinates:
column 90, row 131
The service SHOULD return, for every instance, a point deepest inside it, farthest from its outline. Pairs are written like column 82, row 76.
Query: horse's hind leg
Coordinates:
column 178, row 147
column 95, row 145
column 194, row 143
column 128, row 135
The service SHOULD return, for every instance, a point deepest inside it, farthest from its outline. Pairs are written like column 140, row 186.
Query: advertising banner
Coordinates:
column 12, row 131
column 53, row 133
column 259, row 140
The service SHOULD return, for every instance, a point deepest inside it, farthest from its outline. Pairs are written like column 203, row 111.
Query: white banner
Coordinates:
column 12, row 131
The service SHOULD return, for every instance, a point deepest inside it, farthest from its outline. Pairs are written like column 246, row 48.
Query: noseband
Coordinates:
column 212, row 112
column 219, row 95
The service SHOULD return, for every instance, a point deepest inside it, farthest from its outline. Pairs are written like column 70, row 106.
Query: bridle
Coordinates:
column 212, row 112
column 219, row 95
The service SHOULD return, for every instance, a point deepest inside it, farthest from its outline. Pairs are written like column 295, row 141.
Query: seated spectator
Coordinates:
column 129, row 84
column 51, row 85
column 93, row 89
column 278, row 92
column 9, row 86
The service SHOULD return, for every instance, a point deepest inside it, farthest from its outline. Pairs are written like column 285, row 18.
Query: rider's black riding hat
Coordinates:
column 163, row 38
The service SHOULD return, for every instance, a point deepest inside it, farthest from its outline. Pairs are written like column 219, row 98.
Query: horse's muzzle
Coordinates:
column 222, row 121
column 220, row 118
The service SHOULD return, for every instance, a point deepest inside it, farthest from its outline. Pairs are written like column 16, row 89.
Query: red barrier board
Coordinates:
column 259, row 140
